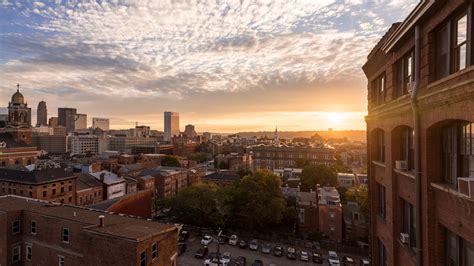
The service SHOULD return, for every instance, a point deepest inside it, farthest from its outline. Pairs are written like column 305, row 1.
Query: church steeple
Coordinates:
column 275, row 137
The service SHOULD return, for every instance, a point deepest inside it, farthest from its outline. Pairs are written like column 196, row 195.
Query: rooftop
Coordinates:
column 36, row 176
column 115, row 225
column 9, row 142
column 222, row 175
column 109, row 177
column 86, row 181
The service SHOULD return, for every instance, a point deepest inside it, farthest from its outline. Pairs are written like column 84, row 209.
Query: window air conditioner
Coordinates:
column 401, row 165
column 404, row 238
column 466, row 186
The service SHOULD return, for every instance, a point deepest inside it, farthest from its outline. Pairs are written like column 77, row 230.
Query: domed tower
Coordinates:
column 19, row 117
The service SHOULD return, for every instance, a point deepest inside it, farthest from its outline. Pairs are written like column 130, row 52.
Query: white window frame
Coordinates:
column 28, row 245
column 35, row 227
column 17, row 247
column 19, row 227
column 62, row 235
column 61, row 260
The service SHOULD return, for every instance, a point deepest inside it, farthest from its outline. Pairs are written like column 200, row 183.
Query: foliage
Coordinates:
column 243, row 172
column 340, row 166
column 360, row 194
column 301, row 163
column 199, row 157
column 317, row 174
column 316, row 138
column 196, row 205
column 170, row 160
column 342, row 193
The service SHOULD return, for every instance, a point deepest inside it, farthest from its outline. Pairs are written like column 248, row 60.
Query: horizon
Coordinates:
column 233, row 67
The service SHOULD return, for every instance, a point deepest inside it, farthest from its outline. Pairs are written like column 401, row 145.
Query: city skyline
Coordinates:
column 233, row 67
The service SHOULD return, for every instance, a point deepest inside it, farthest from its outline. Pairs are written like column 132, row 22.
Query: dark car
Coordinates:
column 317, row 257
column 257, row 263
column 184, row 235
column 240, row 261
column 181, row 248
column 221, row 240
column 348, row 261
column 242, row 244
column 266, row 248
column 202, row 252
column 278, row 251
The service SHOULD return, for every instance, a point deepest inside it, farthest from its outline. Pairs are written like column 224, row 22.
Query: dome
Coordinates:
column 17, row 98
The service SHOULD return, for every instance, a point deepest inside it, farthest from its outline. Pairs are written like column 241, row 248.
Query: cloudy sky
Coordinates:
column 225, row 66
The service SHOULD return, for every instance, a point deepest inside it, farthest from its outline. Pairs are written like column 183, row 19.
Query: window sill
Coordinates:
column 381, row 164
column 410, row 173
column 410, row 250
column 450, row 77
column 449, row 189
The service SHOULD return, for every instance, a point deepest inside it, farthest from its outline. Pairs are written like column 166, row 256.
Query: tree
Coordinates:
column 198, row 157
column 317, row 174
column 255, row 201
column 170, row 160
column 342, row 193
column 301, row 163
column 360, row 194
column 196, row 205
column 243, row 172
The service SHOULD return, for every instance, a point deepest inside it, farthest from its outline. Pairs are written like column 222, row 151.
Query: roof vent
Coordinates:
column 101, row 221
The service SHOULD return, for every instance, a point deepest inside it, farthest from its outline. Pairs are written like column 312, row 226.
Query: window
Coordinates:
column 442, row 55
column 407, row 151
column 382, row 254
column 62, row 189
column 460, row 46
column 45, row 194
column 29, row 252
column 70, row 188
column 60, row 260
column 33, row 227
column 54, row 191
column 143, row 258
column 381, row 200
column 16, row 253
column 16, row 227
column 154, row 251
column 458, row 251
column 458, row 151
column 409, row 223
column 379, row 146
column 404, row 74
column 80, row 200
column 70, row 199
column 66, row 235
column 378, row 90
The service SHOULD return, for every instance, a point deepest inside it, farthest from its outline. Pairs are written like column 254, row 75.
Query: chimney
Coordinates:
column 101, row 220
column 102, row 177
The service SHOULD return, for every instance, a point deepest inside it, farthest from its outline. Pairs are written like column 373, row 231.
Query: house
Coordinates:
column 113, row 185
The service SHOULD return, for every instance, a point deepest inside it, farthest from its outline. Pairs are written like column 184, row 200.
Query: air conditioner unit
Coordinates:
column 401, row 165
column 466, row 186
column 404, row 238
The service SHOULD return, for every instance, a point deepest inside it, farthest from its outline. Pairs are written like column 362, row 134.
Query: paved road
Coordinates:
column 193, row 244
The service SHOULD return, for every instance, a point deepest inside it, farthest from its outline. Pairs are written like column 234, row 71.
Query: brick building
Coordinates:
column 16, row 152
column 52, row 184
column 89, row 190
column 420, row 138
column 330, row 213
column 273, row 157
column 168, row 180
column 40, row 233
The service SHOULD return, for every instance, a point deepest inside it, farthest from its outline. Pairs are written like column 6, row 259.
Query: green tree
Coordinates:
column 196, row 205
column 342, row 193
column 301, row 163
column 243, row 172
column 255, row 201
column 170, row 160
column 360, row 194
column 317, row 174
column 198, row 157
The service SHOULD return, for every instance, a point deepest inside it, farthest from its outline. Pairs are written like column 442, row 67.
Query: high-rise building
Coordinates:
column 102, row 123
column 64, row 118
column 53, row 121
column 42, row 114
column 80, row 121
column 189, row 131
column 420, row 131
column 171, row 125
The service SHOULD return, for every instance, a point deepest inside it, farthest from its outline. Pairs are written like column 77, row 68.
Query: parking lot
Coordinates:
column 193, row 244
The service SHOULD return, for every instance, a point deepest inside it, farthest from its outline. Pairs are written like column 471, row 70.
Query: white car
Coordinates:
column 253, row 245
column 304, row 256
column 333, row 258
column 233, row 240
column 206, row 240
column 226, row 257
column 214, row 262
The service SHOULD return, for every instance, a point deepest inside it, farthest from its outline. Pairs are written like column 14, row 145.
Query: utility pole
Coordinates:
column 219, row 233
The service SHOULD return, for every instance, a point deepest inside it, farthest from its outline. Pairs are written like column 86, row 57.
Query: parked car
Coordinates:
column 266, row 248
column 215, row 261
column 184, row 235
column 202, row 252
column 181, row 248
column 206, row 240
column 365, row 262
column 317, row 257
column 304, row 256
column 242, row 244
column 253, row 245
column 291, row 253
column 278, row 251
column 240, row 261
column 257, row 263
column 221, row 240
column 233, row 240
column 349, row 261
column 333, row 258
column 226, row 257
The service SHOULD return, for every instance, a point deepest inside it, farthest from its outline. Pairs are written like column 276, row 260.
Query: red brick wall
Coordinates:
column 138, row 204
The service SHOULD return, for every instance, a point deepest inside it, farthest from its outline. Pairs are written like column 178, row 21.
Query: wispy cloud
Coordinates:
column 174, row 49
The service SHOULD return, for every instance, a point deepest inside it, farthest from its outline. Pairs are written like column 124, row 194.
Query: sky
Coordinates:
column 225, row 66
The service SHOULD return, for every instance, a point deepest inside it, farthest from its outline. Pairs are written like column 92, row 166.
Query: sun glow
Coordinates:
column 335, row 117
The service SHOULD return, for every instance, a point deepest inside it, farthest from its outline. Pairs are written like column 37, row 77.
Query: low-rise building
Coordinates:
column 221, row 178
column 36, row 232
column 88, row 190
column 330, row 213
column 146, row 182
column 346, row 180
column 16, row 152
column 114, row 186
column 53, row 144
column 168, row 180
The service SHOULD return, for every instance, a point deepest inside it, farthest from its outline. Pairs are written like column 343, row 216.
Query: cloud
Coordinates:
column 173, row 49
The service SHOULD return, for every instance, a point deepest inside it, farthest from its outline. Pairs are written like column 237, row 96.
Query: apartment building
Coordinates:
column 168, row 180
column 330, row 213
column 421, row 138
column 36, row 232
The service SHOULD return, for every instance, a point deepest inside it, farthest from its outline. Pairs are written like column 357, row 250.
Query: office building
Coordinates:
column 36, row 232
column 132, row 144
column 53, row 121
column 53, row 144
column 102, row 123
column 171, row 125
column 79, row 121
column 64, row 118
column 87, row 144
column 42, row 114
column 190, row 132
column 420, row 138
